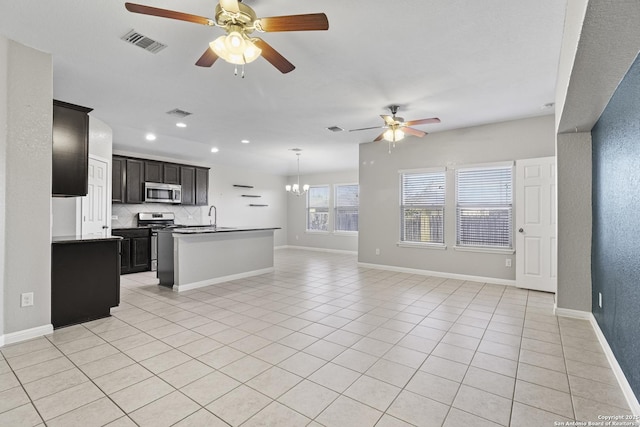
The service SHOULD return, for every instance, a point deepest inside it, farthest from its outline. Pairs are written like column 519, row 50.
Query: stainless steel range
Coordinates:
column 156, row 221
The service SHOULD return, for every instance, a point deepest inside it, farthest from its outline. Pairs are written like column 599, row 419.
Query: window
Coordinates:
column 422, row 207
column 318, row 208
column 484, row 207
column 346, row 207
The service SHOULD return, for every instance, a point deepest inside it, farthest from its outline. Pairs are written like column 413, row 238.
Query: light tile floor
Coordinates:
column 318, row 342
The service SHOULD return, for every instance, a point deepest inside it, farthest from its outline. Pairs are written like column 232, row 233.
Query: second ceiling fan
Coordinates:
column 396, row 127
column 239, row 21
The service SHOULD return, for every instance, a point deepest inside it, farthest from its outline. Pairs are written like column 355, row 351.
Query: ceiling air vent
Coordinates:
column 335, row 129
column 178, row 113
column 143, row 41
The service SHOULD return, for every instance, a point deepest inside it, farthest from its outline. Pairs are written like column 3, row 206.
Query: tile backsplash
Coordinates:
column 187, row 215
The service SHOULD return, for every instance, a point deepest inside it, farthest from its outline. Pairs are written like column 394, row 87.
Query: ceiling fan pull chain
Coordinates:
column 243, row 71
column 389, row 146
column 235, row 71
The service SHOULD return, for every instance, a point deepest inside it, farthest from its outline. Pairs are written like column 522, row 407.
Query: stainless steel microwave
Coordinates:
column 157, row 192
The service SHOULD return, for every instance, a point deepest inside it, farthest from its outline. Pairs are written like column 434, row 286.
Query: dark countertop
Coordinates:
column 210, row 229
column 82, row 239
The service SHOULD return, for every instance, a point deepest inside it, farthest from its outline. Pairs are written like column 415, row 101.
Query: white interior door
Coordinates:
column 536, row 254
column 94, row 204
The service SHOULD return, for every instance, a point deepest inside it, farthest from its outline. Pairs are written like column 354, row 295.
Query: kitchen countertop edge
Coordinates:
column 82, row 239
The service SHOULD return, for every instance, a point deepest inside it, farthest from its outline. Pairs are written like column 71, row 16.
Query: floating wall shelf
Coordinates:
column 250, row 195
column 242, row 186
column 255, row 206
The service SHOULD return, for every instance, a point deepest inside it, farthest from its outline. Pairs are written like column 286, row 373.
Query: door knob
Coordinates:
column 104, row 227
column 521, row 230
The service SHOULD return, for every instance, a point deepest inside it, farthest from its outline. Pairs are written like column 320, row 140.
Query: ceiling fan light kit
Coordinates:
column 239, row 21
column 396, row 127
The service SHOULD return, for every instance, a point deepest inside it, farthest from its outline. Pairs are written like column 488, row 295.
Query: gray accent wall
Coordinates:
column 27, row 117
column 616, row 203
column 380, row 191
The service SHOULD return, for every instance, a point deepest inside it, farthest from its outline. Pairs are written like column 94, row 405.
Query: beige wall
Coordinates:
column 297, row 214
column 26, row 147
column 379, row 191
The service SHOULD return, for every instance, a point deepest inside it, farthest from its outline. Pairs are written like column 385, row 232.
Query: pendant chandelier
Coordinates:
column 295, row 188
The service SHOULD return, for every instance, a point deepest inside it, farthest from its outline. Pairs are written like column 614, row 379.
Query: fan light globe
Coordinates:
column 235, row 49
column 393, row 135
column 305, row 187
column 287, row 187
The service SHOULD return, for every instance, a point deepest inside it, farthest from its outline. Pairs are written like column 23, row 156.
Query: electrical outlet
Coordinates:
column 377, row 251
column 26, row 299
column 600, row 299
column 507, row 262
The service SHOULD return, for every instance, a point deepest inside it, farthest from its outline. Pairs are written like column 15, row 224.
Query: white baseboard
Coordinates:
column 310, row 248
column 26, row 334
column 574, row 314
column 215, row 281
column 631, row 398
column 446, row 275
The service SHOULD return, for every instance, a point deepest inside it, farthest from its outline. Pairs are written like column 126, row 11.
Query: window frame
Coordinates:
column 335, row 210
column 307, row 210
column 441, row 207
column 510, row 206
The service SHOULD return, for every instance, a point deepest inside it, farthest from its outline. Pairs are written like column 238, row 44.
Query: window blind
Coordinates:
column 318, row 208
column 346, row 207
column 422, row 207
column 484, row 207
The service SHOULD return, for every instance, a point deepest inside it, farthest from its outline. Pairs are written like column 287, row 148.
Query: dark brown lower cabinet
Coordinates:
column 85, row 280
column 136, row 249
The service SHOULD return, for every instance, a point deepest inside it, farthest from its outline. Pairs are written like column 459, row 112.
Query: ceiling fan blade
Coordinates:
column 422, row 122
column 308, row 22
column 274, row 57
column 412, row 131
column 379, row 138
column 387, row 119
column 374, row 127
column 207, row 59
column 230, row 5
column 171, row 14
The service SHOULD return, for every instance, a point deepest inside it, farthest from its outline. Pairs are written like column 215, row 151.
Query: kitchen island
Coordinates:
column 194, row 257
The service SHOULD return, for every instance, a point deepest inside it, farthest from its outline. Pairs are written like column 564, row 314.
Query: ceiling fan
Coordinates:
column 239, row 21
column 396, row 127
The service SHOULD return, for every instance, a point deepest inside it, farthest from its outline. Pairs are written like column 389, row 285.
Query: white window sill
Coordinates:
column 438, row 246
column 345, row 233
column 499, row 251
column 316, row 232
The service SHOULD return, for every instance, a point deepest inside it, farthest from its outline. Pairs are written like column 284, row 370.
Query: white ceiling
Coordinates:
column 466, row 62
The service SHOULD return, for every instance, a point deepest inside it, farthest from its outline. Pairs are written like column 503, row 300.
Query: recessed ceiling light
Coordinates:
column 245, row 141
column 150, row 137
column 214, row 150
column 181, row 125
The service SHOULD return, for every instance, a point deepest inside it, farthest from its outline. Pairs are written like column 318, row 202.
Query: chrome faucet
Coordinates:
column 215, row 216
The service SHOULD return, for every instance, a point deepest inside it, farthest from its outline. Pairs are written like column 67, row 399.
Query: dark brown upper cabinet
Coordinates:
column 70, row 151
column 129, row 175
column 202, row 186
column 134, row 182
column 118, row 191
column 153, row 171
column 188, row 182
column 171, row 173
